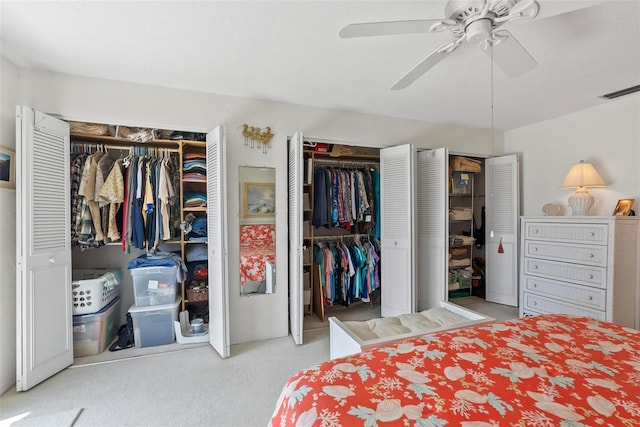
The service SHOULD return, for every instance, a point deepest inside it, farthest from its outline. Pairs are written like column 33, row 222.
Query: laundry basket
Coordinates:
column 92, row 290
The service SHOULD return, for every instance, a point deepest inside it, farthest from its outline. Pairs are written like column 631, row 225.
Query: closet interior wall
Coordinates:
column 189, row 203
column 320, row 236
column 466, row 191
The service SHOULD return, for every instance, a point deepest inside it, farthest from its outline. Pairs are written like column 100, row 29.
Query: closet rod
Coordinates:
column 342, row 237
column 347, row 163
column 123, row 147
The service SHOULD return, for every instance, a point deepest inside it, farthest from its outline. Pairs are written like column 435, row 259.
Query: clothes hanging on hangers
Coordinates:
column 345, row 197
column 349, row 270
column 130, row 199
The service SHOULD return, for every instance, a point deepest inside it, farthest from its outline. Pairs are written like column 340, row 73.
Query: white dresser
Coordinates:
column 586, row 266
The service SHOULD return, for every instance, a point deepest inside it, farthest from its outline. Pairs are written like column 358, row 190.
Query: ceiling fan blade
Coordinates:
column 509, row 54
column 426, row 64
column 367, row 29
column 552, row 8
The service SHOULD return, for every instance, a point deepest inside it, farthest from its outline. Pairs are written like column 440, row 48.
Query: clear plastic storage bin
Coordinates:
column 154, row 285
column 154, row 325
column 91, row 290
column 92, row 333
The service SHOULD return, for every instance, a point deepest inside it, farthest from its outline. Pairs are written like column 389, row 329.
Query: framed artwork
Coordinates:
column 623, row 207
column 7, row 168
column 259, row 200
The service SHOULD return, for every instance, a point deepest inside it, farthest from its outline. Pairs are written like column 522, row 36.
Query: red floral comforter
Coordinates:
column 549, row 370
column 257, row 246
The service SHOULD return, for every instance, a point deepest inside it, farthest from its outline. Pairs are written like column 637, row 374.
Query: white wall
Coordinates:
column 607, row 136
column 8, row 99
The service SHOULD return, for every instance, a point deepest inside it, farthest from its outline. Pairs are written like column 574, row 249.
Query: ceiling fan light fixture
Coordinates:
column 478, row 30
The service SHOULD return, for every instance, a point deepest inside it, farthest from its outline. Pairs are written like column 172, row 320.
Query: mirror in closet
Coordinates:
column 257, row 230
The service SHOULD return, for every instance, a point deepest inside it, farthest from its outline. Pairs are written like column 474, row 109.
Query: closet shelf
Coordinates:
column 460, row 245
column 116, row 140
column 198, row 209
column 326, row 155
column 187, row 143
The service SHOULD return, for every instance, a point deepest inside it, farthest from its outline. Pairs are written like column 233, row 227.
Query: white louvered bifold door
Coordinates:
column 502, row 207
column 433, row 227
column 44, row 323
column 295, row 238
column 397, row 265
column 217, row 242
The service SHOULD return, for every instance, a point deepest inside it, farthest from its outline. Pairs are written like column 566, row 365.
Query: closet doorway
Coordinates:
column 44, row 256
column 429, row 215
column 334, row 207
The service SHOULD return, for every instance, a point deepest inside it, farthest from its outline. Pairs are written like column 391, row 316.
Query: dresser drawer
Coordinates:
column 583, row 254
column 582, row 295
column 541, row 304
column 563, row 232
column 581, row 274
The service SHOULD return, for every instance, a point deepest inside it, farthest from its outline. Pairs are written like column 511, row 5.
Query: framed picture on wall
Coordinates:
column 259, row 200
column 7, row 168
column 623, row 207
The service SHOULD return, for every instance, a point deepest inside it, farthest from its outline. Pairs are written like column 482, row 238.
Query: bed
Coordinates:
column 257, row 248
column 547, row 370
column 350, row 337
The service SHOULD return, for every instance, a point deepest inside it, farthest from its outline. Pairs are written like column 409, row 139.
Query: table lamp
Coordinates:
column 580, row 176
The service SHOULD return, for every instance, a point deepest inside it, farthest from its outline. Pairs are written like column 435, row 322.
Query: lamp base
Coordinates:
column 580, row 202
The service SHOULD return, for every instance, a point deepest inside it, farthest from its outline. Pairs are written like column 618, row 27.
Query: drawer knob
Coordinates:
column 591, row 276
column 535, row 230
column 593, row 234
column 535, row 303
column 535, row 249
column 591, row 255
column 535, row 285
column 590, row 298
column 535, row 266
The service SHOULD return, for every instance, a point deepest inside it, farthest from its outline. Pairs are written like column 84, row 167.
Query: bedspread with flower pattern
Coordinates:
column 548, row 370
column 257, row 246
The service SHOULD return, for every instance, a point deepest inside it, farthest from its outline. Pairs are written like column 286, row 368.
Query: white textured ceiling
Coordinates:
column 290, row 51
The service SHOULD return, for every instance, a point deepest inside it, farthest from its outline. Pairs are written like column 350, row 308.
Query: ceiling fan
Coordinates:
column 473, row 21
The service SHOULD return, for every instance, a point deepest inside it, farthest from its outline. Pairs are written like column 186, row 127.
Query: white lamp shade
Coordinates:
column 582, row 175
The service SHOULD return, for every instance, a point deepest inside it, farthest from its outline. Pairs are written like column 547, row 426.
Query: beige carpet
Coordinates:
column 57, row 419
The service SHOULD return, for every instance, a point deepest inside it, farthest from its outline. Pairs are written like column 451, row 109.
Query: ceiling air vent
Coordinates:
column 623, row 92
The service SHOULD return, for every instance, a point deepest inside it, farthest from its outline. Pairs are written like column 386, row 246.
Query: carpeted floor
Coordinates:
column 57, row 419
column 193, row 387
